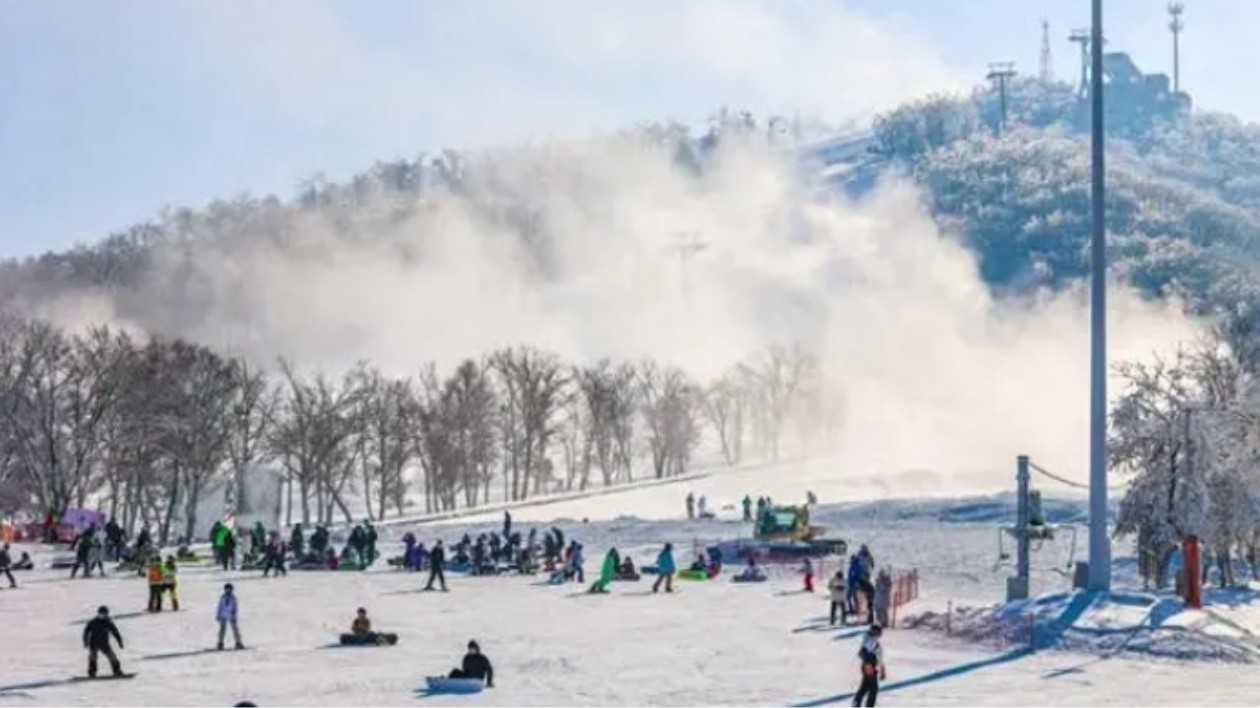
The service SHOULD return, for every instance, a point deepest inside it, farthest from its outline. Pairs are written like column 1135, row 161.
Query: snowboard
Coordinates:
column 106, row 677
column 381, row 639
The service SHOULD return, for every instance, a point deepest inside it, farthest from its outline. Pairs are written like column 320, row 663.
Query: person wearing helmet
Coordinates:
column 475, row 666
column 96, row 640
column 226, row 614
column 871, row 656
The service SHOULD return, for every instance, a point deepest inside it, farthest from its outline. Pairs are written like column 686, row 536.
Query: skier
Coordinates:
column 607, row 572
column 475, row 666
column 170, row 582
column 156, row 585
column 96, row 640
column 838, row 597
column 810, row 499
column 226, row 613
column 691, row 505
column 437, row 558
column 747, row 509
column 871, row 656
column 807, row 570
column 665, row 569
column 6, row 564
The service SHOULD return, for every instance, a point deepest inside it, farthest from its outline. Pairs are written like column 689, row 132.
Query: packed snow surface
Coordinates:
column 710, row 643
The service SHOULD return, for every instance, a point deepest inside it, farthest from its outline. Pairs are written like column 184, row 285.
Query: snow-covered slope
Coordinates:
column 710, row 643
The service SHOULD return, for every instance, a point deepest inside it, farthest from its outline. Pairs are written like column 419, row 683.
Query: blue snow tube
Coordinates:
column 464, row 686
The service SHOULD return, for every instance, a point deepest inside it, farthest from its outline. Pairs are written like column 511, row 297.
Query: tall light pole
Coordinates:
column 1176, row 25
column 1099, row 540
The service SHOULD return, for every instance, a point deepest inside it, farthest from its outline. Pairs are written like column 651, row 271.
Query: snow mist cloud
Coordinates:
column 936, row 374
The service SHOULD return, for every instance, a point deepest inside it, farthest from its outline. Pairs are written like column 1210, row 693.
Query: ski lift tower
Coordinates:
column 1017, row 585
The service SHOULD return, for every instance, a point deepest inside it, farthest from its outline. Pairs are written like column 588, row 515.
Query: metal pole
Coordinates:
column 1099, row 541
column 1023, row 551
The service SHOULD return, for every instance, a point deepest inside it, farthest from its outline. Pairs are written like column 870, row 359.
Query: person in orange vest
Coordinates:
column 157, row 584
column 170, row 583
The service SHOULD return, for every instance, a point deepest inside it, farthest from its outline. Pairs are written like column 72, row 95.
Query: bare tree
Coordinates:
column 389, row 414
column 534, row 390
column 778, row 374
column 610, row 393
column 253, row 404
column 670, row 409
column 725, row 406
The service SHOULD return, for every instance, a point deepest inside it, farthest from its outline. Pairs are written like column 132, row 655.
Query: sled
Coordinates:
column 464, row 686
column 106, row 677
column 377, row 639
column 747, row 579
column 691, row 574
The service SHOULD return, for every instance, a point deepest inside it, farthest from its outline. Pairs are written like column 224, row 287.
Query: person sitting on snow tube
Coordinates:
column 475, row 666
column 24, row 563
column 700, row 564
column 752, row 573
column 626, row 570
column 361, row 632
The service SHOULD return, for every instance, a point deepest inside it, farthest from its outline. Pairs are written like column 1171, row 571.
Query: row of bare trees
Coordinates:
column 146, row 429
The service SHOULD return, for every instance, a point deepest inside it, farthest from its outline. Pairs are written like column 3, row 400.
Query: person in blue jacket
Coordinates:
column 665, row 569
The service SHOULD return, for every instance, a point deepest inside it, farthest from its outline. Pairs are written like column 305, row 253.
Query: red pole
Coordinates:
column 1194, row 578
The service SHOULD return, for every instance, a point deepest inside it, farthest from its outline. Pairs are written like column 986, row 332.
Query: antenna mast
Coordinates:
column 1046, row 73
column 1176, row 25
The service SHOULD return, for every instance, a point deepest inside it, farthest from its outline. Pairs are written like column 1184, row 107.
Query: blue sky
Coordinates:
column 111, row 109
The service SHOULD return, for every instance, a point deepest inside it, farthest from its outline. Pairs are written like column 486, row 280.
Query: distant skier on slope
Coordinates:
column 807, row 570
column 871, row 656
column 96, row 640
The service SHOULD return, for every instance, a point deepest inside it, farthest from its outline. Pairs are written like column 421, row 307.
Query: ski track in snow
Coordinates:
column 710, row 643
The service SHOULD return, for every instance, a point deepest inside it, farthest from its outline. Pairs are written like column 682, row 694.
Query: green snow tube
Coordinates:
column 691, row 574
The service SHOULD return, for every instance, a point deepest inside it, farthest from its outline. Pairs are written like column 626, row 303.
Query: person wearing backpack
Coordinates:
column 871, row 656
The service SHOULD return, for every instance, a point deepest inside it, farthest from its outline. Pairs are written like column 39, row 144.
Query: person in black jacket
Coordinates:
column 96, row 640
column 437, row 558
column 6, row 562
column 475, row 666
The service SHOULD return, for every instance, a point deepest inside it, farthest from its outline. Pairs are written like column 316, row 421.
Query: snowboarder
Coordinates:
column 691, row 505
column 871, row 656
column 475, row 666
column 807, row 570
column 437, row 558
column 665, row 569
column 607, row 572
column 170, row 582
column 157, row 583
column 839, row 600
column 226, row 613
column 747, row 509
column 96, row 640
column 6, row 564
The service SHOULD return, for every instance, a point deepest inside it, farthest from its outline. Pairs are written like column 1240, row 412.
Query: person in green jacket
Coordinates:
column 607, row 571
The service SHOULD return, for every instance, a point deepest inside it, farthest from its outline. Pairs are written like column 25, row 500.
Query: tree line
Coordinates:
column 144, row 428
